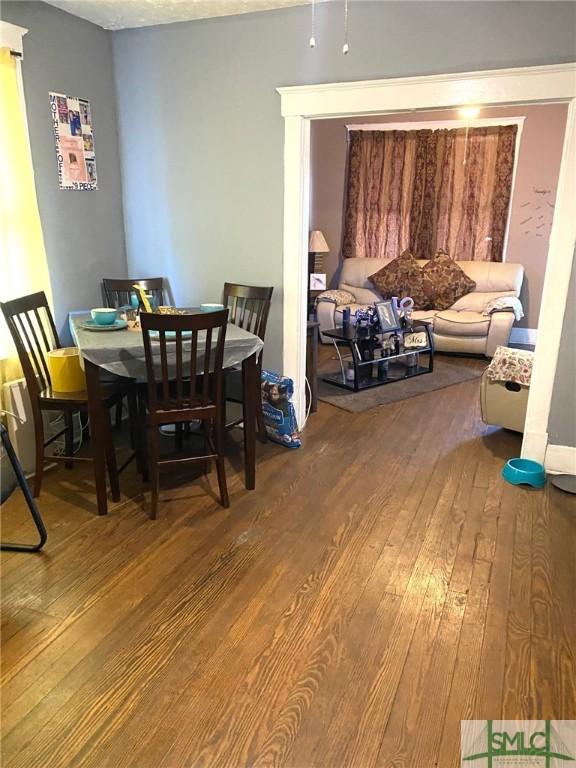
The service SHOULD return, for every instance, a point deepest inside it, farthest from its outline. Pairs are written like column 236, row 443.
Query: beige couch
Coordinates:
column 462, row 328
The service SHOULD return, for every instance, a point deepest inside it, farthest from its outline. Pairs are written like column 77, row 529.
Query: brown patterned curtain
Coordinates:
column 426, row 190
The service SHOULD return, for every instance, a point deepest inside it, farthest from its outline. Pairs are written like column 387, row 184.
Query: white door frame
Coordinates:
column 301, row 104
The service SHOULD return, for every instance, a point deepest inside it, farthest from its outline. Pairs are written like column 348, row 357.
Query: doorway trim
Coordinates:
column 527, row 85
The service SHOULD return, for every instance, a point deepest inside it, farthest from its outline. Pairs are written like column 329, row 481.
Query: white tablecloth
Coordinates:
column 122, row 352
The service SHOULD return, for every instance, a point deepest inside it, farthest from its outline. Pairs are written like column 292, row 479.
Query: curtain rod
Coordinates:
column 436, row 125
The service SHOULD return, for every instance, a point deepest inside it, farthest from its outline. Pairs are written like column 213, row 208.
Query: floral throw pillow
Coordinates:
column 337, row 297
column 511, row 365
column 449, row 281
column 403, row 277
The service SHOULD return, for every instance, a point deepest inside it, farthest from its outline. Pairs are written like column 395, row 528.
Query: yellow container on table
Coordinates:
column 65, row 370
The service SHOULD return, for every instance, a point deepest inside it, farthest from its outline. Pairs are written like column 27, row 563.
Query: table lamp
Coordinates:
column 317, row 246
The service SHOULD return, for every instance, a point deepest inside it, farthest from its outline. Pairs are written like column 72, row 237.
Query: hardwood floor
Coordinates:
column 381, row 584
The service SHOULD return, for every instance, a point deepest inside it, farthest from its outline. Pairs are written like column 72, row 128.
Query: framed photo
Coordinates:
column 388, row 316
column 415, row 340
column 317, row 281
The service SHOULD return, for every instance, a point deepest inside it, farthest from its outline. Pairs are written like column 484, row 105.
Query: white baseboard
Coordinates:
column 523, row 335
column 561, row 459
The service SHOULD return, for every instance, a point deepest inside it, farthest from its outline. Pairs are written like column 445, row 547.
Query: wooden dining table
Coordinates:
column 121, row 352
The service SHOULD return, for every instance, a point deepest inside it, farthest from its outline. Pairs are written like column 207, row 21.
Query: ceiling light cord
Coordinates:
column 312, row 41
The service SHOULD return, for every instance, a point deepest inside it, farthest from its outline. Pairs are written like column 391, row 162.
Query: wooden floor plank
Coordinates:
column 553, row 655
column 381, row 584
column 351, row 572
column 346, row 680
column 400, row 734
column 416, row 721
column 516, row 701
column 461, row 702
column 492, row 657
column 75, row 646
column 409, row 504
column 246, row 620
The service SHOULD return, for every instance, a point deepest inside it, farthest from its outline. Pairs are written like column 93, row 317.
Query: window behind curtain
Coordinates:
column 429, row 189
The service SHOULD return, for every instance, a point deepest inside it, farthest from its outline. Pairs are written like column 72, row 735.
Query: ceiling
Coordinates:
column 121, row 14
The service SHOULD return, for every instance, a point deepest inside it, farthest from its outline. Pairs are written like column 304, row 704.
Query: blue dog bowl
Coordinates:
column 524, row 472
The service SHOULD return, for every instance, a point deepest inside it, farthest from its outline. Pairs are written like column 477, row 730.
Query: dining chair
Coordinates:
column 184, row 356
column 117, row 292
column 249, row 306
column 33, row 331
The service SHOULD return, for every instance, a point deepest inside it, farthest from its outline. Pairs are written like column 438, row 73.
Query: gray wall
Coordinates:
column 201, row 132
column 562, row 421
column 83, row 231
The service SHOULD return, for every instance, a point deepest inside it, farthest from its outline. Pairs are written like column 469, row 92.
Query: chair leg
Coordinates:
column 154, row 470
column 69, row 437
column 132, row 418
column 39, row 444
column 143, row 437
column 179, row 436
column 261, row 428
column 220, row 468
column 111, row 457
column 118, row 416
column 135, row 431
column 206, row 427
column 263, row 437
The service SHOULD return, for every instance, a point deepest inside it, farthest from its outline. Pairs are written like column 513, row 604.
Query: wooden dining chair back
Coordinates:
column 184, row 359
column 31, row 325
column 249, row 306
column 34, row 334
column 249, row 309
column 117, row 292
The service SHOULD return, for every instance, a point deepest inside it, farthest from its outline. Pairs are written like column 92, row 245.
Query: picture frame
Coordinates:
column 387, row 315
column 317, row 281
column 416, row 340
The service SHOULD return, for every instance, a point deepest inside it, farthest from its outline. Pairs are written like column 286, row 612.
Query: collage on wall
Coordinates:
column 72, row 125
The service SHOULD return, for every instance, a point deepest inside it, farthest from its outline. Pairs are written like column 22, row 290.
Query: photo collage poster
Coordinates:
column 72, row 125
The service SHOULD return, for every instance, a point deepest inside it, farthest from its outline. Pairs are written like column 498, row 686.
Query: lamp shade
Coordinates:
column 317, row 242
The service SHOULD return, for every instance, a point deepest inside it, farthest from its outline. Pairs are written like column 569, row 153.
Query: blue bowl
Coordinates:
column 524, row 472
column 104, row 316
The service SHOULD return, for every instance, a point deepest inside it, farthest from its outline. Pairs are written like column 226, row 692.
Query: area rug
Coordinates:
column 447, row 372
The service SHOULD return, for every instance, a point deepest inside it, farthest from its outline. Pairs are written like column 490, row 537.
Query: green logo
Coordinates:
column 536, row 740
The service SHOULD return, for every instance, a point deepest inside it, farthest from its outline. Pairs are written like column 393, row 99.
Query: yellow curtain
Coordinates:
column 23, row 265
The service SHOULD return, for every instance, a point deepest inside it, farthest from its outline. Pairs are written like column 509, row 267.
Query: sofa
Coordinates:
column 463, row 328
